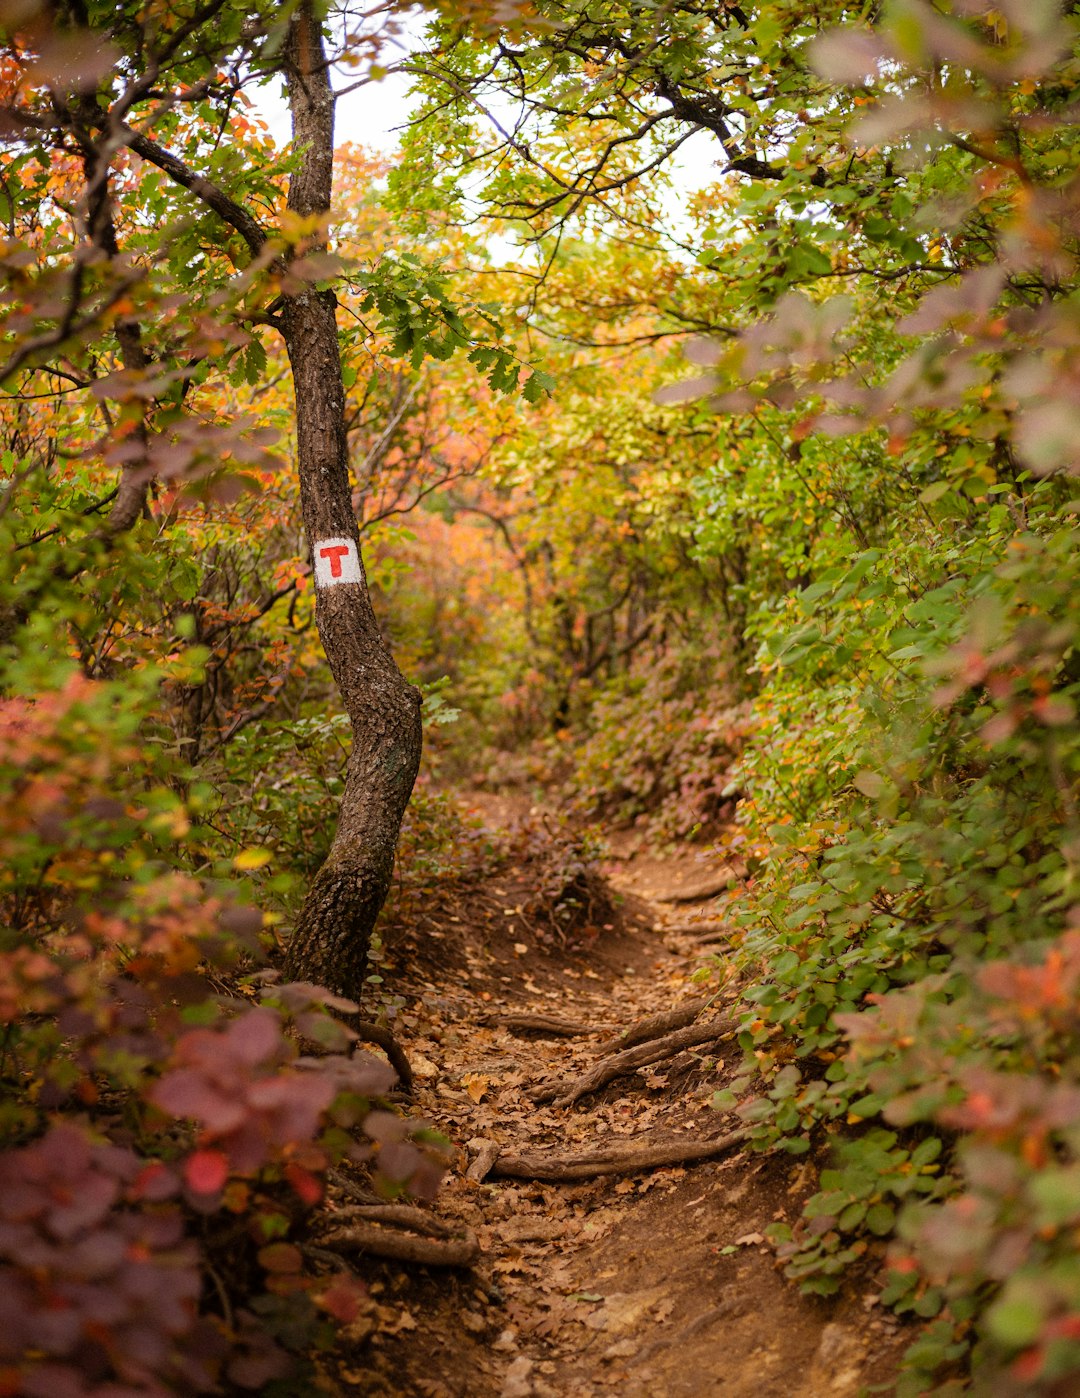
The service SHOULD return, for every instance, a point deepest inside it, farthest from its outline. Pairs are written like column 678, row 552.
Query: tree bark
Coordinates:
column 330, row 942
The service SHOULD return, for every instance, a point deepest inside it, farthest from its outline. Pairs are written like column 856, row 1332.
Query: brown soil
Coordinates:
column 656, row 1285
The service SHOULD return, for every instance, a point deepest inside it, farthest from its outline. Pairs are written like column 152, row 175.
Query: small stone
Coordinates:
column 837, row 1366
column 517, row 1383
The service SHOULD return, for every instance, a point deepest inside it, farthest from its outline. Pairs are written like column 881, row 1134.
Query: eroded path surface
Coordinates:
column 654, row 1284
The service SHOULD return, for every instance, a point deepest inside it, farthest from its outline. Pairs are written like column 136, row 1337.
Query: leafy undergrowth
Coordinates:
column 172, row 1111
column 913, row 943
column 660, row 747
column 180, row 1124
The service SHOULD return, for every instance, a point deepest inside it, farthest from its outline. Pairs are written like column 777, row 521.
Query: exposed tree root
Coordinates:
column 726, row 1308
column 614, row 1066
column 370, row 1033
column 402, row 1215
column 614, row 1161
column 714, row 939
column 485, row 1154
column 541, row 1024
column 702, row 927
column 719, row 883
column 355, row 1191
column 378, row 1230
column 656, row 1026
column 328, row 1259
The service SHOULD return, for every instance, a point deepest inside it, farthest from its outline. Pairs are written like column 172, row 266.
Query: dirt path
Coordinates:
column 655, row 1284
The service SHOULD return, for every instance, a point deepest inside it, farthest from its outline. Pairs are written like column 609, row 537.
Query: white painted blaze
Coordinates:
column 336, row 561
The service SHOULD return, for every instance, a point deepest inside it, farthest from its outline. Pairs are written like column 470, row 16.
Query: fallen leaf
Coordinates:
column 476, row 1085
column 405, row 1321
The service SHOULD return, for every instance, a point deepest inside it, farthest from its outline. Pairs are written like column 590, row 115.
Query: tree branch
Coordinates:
column 228, row 210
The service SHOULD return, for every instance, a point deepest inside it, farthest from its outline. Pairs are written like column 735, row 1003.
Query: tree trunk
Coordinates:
column 330, row 942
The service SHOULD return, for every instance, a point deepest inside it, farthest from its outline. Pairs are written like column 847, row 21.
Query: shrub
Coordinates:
column 165, row 1134
column 913, row 947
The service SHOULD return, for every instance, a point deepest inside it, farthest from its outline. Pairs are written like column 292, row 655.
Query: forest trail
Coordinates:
column 652, row 1284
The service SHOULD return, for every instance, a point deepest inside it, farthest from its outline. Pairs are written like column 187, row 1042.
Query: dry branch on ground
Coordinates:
column 369, row 1033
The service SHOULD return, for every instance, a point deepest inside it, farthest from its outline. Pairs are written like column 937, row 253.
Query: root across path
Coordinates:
column 602, row 1228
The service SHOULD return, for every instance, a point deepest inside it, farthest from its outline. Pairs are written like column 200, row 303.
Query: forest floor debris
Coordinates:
column 620, row 1227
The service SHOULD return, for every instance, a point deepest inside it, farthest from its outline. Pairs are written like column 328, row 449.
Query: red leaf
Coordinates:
column 1029, row 1366
column 206, row 1171
column 254, row 1037
column 308, row 1188
column 343, row 1299
column 155, row 1181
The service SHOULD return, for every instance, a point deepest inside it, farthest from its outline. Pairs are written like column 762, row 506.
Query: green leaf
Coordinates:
column 880, row 1219
column 1016, row 1320
column 537, row 385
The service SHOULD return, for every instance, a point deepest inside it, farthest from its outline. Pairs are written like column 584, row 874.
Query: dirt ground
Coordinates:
column 657, row 1284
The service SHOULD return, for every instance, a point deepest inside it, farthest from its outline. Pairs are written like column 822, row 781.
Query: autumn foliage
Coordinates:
column 746, row 518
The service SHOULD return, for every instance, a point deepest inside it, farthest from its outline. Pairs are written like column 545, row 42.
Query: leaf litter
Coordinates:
column 655, row 1284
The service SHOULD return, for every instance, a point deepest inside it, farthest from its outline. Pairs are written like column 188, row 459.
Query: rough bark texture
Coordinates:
column 405, row 1247
column 130, row 502
column 656, row 1026
column 330, row 942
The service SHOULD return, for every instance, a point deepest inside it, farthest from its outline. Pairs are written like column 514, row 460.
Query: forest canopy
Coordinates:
column 741, row 518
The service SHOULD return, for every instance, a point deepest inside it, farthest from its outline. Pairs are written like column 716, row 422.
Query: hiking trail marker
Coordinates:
column 336, row 561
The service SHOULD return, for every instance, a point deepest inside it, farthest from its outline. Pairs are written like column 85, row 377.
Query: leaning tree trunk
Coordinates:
column 330, row 942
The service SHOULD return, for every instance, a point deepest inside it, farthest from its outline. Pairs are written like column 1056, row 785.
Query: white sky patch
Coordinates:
column 336, row 561
column 374, row 113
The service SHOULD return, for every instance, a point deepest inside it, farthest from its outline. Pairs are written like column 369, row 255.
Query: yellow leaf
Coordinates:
column 254, row 858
